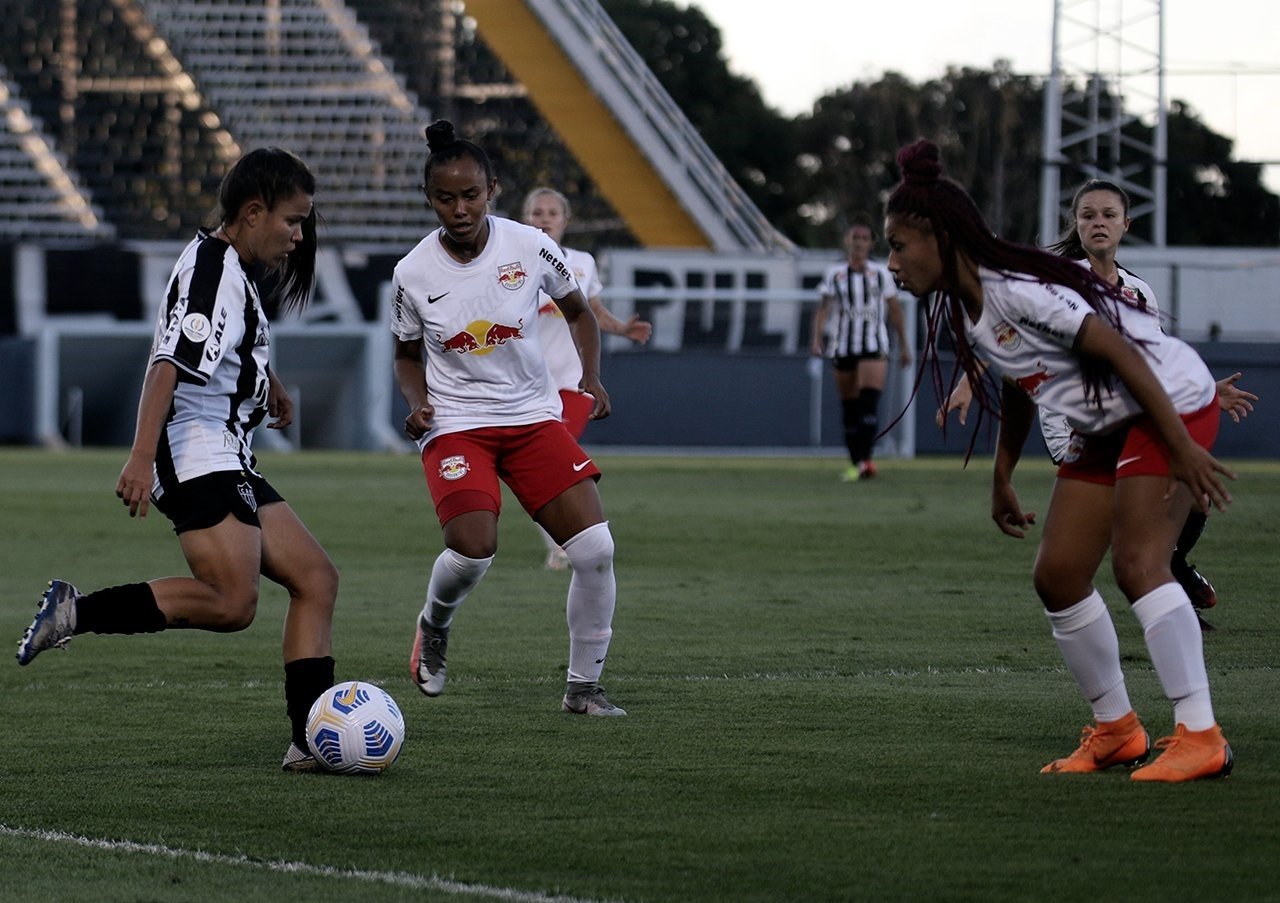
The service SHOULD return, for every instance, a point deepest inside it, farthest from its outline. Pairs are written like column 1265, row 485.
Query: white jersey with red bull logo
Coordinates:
column 563, row 362
column 1054, row 427
column 1027, row 330
column 478, row 323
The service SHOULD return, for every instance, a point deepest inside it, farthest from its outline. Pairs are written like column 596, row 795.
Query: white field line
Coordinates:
column 394, row 879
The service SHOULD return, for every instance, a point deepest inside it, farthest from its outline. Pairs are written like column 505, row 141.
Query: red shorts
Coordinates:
column 538, row 462
column 575, row 411
column 1135, row 450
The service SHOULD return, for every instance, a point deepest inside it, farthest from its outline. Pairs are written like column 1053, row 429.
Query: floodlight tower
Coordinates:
column 1106, row 77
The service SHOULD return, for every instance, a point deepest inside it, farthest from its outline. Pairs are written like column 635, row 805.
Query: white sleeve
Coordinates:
column 405, row 322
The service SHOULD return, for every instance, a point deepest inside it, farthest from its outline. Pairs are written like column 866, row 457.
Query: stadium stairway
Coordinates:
column 304, row 74
column 626, row 131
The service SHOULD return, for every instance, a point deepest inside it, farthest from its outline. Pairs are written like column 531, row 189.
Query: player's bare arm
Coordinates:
column 411, row 379
column 586, row 335
column 134, row 486
column 1188, row 462
column 1017, row 412
column 279, row 403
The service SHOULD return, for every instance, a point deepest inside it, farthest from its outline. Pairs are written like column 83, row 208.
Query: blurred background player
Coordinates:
column 1099, row 220
column 483, row 409
column 1143, row 412
column 208, row 386
column 858, row 299
column 548, row 210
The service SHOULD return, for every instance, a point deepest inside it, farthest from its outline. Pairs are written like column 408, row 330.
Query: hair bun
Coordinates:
column 440, row 134
column 919, row 162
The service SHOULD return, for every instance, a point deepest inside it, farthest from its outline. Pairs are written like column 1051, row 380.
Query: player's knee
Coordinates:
column 320, row 585
column 236, row 609
column 1059, row 585
column 591, row 550
column 1137, row 574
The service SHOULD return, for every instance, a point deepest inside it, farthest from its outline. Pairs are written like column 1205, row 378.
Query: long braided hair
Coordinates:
column 937, row 205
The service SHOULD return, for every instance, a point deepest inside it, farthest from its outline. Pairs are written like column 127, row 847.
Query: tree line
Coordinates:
column 810, row 173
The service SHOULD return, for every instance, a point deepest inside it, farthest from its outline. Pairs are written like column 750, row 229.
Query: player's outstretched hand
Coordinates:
column 1235, row 401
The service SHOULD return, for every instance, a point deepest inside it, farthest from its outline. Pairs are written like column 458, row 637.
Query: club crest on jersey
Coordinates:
column 195, row 327
column 246, row 493
column 1006, row 336
column 454, row 467
column 511, row 276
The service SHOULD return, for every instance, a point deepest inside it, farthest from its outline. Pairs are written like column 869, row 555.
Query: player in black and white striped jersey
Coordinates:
column 858, row 299
column 208, row 386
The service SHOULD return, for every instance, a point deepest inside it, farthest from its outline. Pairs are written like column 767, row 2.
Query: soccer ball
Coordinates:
column 355, row 728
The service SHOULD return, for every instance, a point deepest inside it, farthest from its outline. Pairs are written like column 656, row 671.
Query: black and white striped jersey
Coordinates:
column 856, row 314
column 211, row 327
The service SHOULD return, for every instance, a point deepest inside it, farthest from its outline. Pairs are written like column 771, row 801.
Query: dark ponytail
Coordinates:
column 273, row 175
column 444, row 146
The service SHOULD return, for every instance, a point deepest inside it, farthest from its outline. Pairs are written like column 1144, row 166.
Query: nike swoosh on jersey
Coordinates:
column 433, row 300
column 579, row 467
column 1123, row 461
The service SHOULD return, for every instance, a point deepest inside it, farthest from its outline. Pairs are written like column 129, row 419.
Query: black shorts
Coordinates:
column 850, row 362
column 205, row 501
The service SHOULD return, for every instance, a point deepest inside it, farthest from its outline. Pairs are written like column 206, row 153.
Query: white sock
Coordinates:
column 452, row 577
column 1177, row 651
column 592, row 597
column 1086, row 636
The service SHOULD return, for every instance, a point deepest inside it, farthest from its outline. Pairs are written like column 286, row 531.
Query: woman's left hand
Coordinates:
column 591, row 386
column 279, row 405
column 1200, row 471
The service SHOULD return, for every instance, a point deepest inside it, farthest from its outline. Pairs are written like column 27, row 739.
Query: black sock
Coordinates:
column 304, row 680
column 849, row 415
column 867, row 423
column 1191, row 531
column 130, row 608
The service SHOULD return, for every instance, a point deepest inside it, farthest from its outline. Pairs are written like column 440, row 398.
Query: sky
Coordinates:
column 1221, row 57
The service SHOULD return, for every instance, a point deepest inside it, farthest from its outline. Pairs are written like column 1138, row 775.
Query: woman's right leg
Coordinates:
column 1077, row 532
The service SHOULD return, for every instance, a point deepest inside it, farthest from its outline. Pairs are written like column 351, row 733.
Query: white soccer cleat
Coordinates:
column 589, row 699
column 426, row 661
column 299, row 761
column 54, row 624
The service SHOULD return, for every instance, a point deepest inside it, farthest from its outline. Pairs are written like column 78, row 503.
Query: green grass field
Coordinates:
column 836, row 692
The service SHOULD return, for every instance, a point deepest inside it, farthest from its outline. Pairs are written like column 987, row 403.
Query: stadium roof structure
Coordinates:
column 629, row 135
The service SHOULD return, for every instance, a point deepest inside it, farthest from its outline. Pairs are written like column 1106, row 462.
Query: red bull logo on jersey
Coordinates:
column 1006, row 336
column 1032, row 382
column 550, row 309
column 511, row 276
column 454, row 467
column 481, row 337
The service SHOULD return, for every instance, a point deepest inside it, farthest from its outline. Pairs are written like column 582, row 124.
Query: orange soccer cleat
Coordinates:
column 1111, row 743
column 1189, row 756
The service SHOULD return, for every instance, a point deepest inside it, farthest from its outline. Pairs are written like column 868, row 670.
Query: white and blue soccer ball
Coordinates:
column 355, row 728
